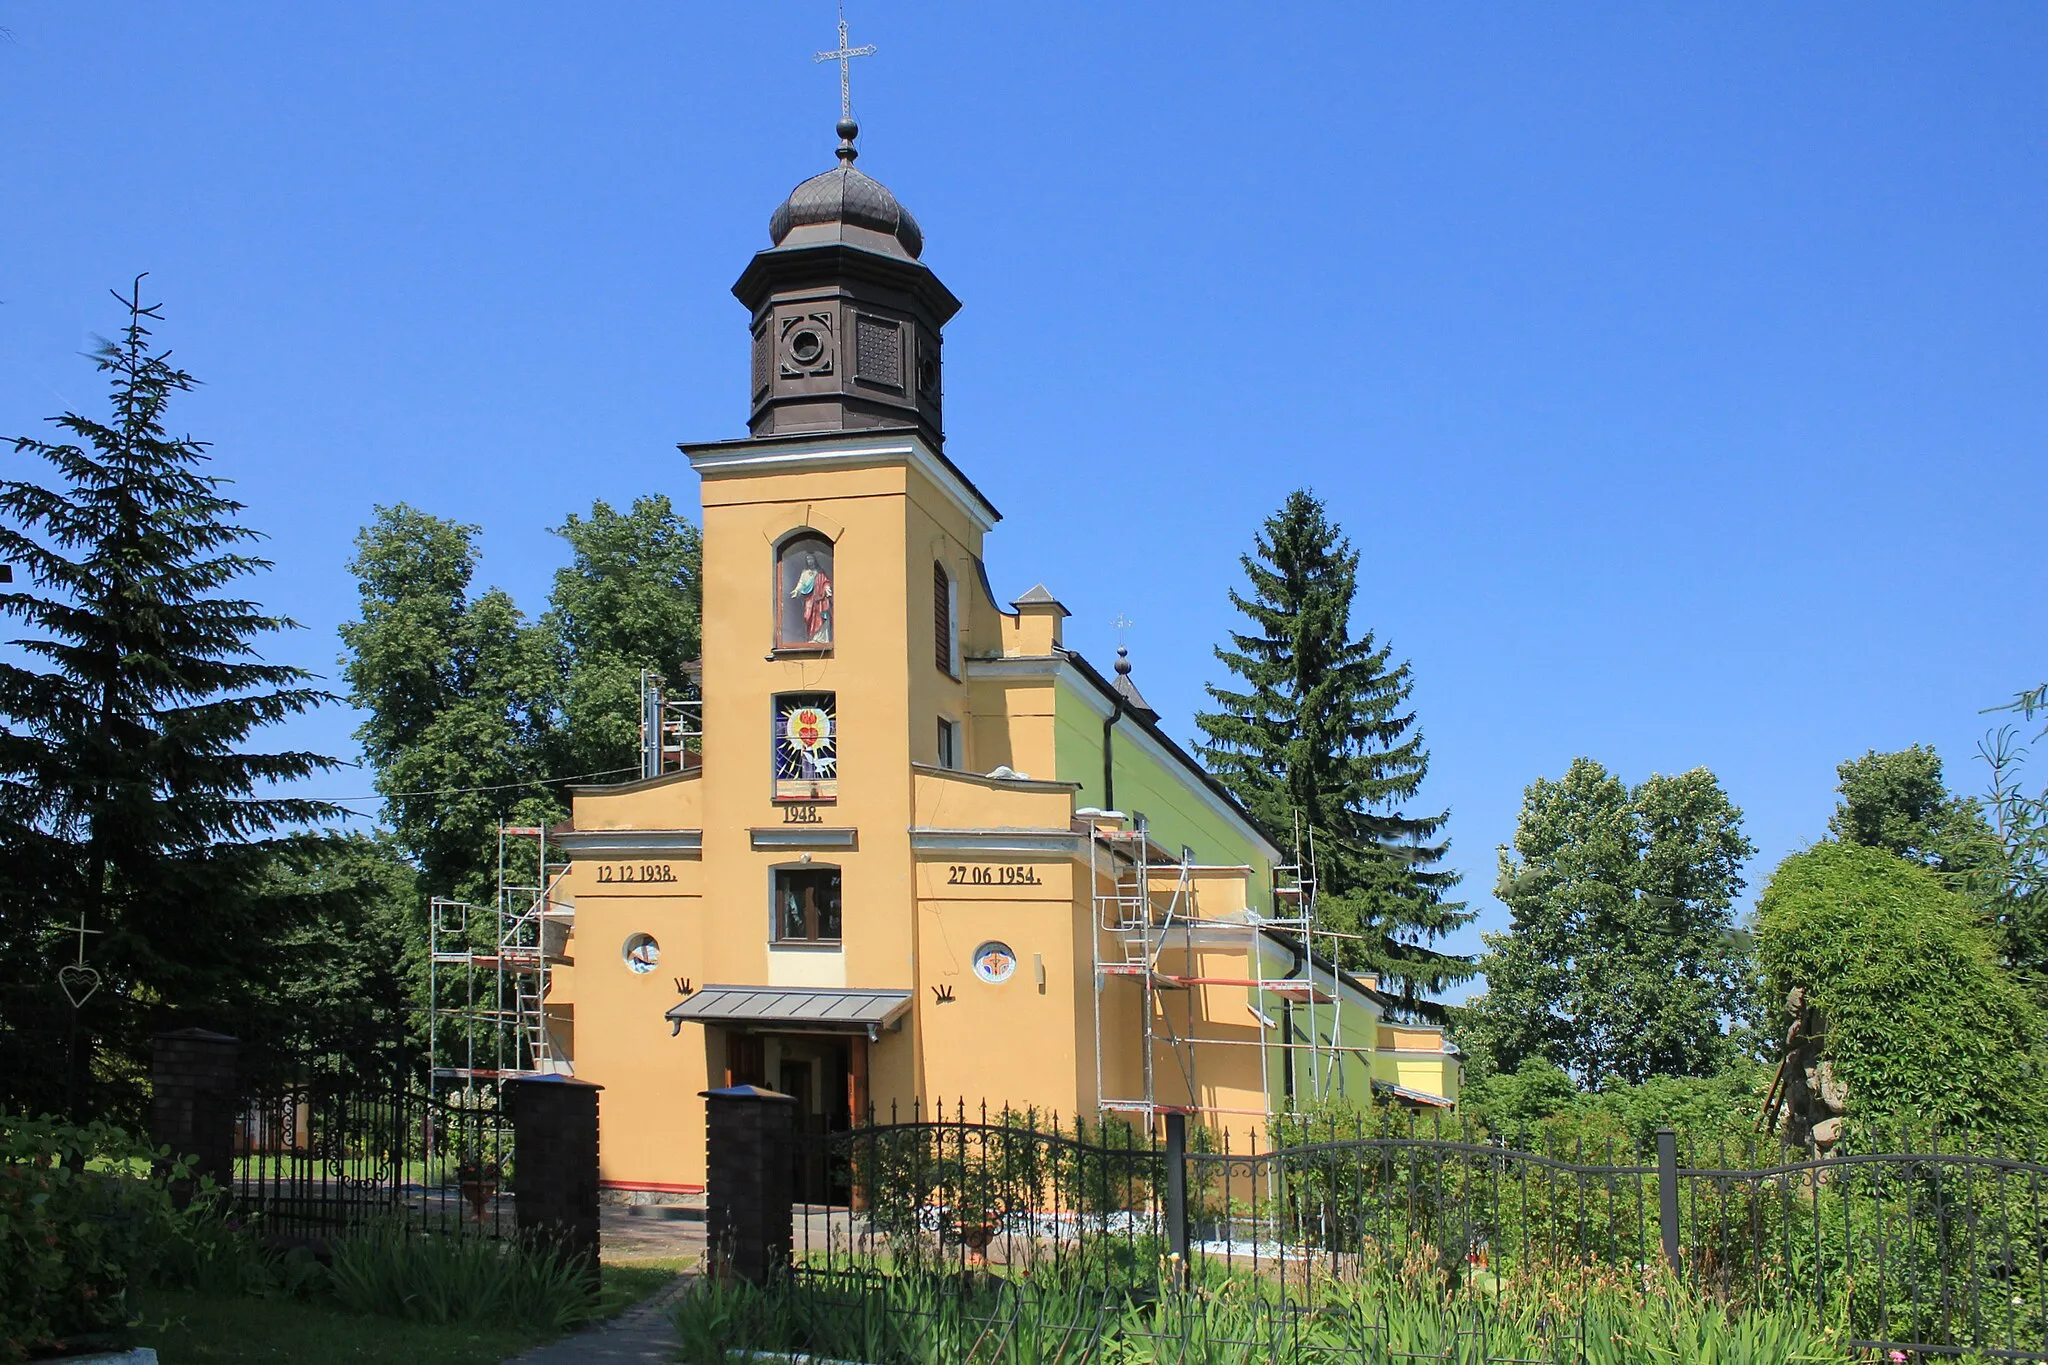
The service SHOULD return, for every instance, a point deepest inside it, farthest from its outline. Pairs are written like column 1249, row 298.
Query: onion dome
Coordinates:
column 846, row 205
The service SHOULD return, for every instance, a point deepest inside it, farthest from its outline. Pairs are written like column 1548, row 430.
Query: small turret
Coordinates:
column 846, row 317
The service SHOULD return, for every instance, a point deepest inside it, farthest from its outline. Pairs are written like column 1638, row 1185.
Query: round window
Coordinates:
column 994, row 962
column 642, row 954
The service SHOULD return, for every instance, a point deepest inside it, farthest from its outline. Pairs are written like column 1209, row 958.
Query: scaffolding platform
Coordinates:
column 488, row 965
column 1144, row 908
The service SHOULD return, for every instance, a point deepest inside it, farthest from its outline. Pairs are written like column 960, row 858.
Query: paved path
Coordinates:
column 639, row 1336
column 627, row 1236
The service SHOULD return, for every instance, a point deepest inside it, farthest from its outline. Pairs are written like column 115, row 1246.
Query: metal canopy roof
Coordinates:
column 804, row 1009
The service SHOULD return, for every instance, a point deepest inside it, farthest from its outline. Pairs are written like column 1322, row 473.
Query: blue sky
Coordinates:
column 1681, row 371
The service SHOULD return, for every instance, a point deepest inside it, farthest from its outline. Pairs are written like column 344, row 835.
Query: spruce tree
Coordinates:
column 133, row 796
column 1320, row 740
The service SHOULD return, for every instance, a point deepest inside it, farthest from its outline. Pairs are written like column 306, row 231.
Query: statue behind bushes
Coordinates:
column 1896, row 1007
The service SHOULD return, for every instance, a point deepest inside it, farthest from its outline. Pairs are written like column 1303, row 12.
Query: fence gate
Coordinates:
column 319, row 1151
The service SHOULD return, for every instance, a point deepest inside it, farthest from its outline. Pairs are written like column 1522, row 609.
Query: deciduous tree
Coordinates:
column 1917, row 1016
column 1898, row 802
column 630, row 599
column 460, row 693
column 2019, row 817
column 1620, row 961
column 478, row 716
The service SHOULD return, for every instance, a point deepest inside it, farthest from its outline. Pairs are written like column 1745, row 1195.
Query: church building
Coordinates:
column 917, row 850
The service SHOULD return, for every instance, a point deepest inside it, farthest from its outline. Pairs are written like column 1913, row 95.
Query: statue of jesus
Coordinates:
column 814, row 590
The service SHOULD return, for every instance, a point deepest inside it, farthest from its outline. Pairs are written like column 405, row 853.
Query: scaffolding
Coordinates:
column 1131, row 930
column 671, row 723
column 488, row 964
column 487, row 968
column 1145, row 905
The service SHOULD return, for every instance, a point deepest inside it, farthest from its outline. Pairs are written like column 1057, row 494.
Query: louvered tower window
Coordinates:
column 943, row 625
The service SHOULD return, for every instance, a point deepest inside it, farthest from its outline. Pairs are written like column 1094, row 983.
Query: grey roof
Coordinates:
column 803, row 1007
column 847, row 197
column 1040, row 597
column 1133, row 698
column 1128, row 690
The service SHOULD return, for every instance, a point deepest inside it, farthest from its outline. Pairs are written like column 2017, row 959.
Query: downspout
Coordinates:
column 1108, row 756
column 1305, row 968
column 1287, row 1051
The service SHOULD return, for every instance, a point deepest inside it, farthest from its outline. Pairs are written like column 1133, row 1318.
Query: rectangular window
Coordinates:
column 807, row 905
column 949, row 744
column 806, row 746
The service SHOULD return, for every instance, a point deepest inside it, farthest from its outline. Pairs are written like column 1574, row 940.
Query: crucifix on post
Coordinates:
column 78, row 982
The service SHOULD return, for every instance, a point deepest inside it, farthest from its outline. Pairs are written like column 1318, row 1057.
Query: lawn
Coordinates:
column 197, row 1329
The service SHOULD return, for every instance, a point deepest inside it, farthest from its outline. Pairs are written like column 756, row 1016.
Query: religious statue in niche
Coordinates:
column 806, row 747
column 803, row 616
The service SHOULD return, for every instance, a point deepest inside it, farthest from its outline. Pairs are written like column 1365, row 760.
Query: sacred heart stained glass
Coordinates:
column 806, row 747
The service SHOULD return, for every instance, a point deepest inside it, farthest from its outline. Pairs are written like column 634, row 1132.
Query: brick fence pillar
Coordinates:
column 750, row 1180
column 554, row 1164
column 193, row 1076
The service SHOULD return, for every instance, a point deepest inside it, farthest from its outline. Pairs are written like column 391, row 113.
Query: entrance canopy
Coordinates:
column 792, row 1009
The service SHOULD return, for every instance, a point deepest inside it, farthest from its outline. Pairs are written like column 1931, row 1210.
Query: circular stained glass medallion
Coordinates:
column 994, row 962
column 642, row 954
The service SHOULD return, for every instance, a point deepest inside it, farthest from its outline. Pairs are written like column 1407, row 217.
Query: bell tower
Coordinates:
column 846, row 318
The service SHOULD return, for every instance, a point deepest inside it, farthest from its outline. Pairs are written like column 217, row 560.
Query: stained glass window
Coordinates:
column 806, row 747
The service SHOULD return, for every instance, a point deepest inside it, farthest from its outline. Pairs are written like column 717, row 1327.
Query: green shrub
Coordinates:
column 80, row 1231
column 401, row 1272
column 1234, row 1320
column 216, row 1254
column 1922, row 1023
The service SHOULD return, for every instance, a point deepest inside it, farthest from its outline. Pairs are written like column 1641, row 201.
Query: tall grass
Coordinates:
column 926, row 1320
column 402, row 1273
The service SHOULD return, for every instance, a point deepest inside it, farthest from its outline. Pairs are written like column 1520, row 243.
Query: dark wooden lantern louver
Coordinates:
column 942, row 619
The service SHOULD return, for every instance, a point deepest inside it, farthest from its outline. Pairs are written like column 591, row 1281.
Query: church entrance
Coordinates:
column 826, row 1074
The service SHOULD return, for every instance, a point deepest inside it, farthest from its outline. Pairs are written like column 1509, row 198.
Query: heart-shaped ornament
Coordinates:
column 79, row 983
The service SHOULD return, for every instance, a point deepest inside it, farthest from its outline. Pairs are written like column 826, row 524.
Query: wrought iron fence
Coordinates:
column 46, row 1045
column 319, row 1150
column 1012, row 1223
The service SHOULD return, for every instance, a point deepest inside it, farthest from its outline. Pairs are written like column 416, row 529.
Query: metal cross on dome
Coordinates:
column 1120, row 625
column 844, row 56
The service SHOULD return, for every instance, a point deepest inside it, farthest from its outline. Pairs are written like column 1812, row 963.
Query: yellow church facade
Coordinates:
column 918, row 851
